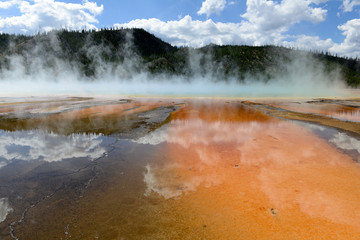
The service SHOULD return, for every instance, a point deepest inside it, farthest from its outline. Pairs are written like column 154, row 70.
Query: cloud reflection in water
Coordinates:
column 5, row 208
column 49, row 147
column 196, row 149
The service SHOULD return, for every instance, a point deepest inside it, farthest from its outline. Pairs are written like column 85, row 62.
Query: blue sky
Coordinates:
column 326, row 25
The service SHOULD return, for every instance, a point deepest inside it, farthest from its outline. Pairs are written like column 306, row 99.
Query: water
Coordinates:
column 37, row 145
column 214, row 169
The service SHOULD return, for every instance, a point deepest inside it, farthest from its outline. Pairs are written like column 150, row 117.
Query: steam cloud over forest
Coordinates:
column 133, row 61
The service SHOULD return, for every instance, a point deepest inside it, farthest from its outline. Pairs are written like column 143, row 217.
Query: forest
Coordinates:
column 91, row 53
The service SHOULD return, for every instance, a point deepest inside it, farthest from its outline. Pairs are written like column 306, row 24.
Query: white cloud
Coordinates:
column 265, row 22
column 210, row 7
column 351, row 45
column 8, row 4
column 349, row 5
column 268, row 16
column 310, row 43
column 319, row 1
column 195, row 33
column 187, row 31
column 50, row 14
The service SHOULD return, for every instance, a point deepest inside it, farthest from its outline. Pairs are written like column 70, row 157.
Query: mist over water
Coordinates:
column 300, row 86
column 41, row 71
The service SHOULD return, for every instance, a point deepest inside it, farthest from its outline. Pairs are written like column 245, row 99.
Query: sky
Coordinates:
column 321, row 25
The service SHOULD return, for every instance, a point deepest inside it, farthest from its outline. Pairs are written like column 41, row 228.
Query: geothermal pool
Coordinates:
column 136, row 168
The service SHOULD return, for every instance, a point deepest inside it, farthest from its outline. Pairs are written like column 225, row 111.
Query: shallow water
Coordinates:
column 36, row 145
column 217, row 169
column 343, row 110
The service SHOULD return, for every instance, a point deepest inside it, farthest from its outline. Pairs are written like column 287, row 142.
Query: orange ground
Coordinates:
column 224, row 171
column 241, row 175
column 327, row 109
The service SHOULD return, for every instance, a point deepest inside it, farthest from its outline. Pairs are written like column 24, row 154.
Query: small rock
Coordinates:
column 273, row 211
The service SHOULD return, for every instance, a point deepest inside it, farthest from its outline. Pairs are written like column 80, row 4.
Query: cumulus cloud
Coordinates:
column 348, row 5
column 265, row 15
column 351, row 45
column 49, row 14
column 195, row 33
column 263, row 23
column 8, row 4
column 310, row 42
column 212, row 6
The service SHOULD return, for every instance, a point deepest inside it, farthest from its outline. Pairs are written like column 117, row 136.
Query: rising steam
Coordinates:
column 42, row 71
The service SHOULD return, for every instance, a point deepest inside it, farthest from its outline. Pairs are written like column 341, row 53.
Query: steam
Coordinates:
column 41, row 71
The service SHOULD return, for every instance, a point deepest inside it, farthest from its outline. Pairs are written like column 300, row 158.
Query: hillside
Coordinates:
column 129, row 51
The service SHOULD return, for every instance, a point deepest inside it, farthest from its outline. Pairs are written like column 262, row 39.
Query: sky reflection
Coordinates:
column 5, row 208
column 284, row 165
column 49, row 147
